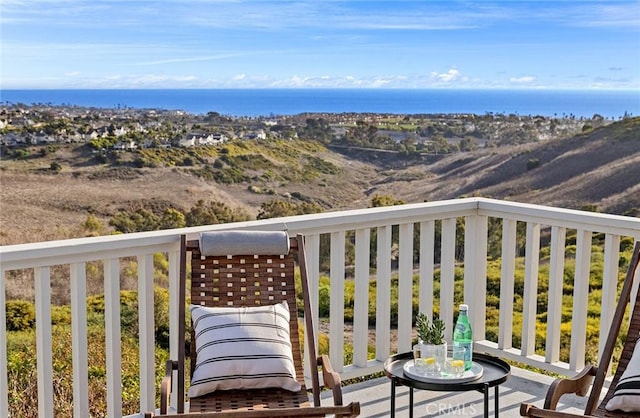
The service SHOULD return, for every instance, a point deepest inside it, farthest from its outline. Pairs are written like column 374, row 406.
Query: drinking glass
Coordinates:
column 454, row 366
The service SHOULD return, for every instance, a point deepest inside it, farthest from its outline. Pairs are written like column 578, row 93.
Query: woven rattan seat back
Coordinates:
column 244, row 281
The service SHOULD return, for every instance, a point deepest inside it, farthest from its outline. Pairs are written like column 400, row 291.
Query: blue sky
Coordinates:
column 330, row 44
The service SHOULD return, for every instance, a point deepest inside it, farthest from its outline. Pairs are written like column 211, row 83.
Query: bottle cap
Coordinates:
column 464, row 307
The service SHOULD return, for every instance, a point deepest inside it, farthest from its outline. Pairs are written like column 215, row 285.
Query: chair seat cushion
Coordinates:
column 242, row 348
column 626, row 396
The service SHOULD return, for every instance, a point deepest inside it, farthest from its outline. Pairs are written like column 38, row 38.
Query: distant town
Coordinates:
column 128, row 129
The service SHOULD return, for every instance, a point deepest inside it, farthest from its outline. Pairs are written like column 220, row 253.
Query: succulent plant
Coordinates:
column 430, row 332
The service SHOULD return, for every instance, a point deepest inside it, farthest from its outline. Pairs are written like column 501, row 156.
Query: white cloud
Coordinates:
column 239, row 77
column 527, row 79
column 452, row 75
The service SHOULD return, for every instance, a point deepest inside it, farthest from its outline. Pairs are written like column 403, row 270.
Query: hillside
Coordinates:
column 597, row 169
column 600, row 169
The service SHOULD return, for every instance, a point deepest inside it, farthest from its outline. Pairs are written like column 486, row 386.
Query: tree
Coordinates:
column 172, row 218
column 56, row 167
column 380, row 200
column 278, row 208
column 213, row 213
column 468, row 143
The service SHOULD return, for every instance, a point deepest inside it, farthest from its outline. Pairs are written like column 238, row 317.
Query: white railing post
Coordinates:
column 383, row 293
column 336, row 322
column 361, row 299
column 78, row 281
column 112, row 337
column 43, row 341
column 425, row 293
column 475, row 272
column 312, row 251
column 174, row 306
column 146, row 333
column 556, row 281
column 447, row 273
column 405, row 287
column 507, row 281
column 4, row 371
column 609, row 288
column 530, row 296
column 580, row 300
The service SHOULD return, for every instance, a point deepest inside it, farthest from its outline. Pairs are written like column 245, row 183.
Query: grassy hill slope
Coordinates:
column 597, row 169
column 600, row 168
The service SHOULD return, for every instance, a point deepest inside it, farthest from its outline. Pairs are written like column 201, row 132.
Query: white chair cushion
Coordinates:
column 626, row 396
column 242, row 348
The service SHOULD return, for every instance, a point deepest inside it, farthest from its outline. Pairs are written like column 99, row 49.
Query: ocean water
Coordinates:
column 267, row 102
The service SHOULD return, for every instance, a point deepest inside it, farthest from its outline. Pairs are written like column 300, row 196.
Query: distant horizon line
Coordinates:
column 629, row 89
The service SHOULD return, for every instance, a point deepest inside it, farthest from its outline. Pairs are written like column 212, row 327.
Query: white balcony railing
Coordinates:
column 420, row 220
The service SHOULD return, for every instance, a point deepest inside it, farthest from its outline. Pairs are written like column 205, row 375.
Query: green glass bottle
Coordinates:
column 462, row 335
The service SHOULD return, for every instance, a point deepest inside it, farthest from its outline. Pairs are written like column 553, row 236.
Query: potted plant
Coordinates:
column 431, row 344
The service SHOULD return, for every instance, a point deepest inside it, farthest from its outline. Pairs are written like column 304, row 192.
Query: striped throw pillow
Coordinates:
column 242, row 348
column 626, row 396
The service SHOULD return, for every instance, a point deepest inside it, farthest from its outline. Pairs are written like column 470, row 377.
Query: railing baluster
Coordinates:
column 312, row 250
column 507, row 281
column 361, row 298
column 78, row 277
column 447, row 273
column 383, row 293
column 530, row 297
column 405, row 287
column 112, row 340
column 580, row 300
column 174, row 306
column 427, row 236
column 556, row 280
column 609, row 288
column 4, row 386
column 336, row 322
column 475, row 272
column 43, row 341
column 146, row 333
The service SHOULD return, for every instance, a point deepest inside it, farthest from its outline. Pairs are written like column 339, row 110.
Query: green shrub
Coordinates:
column 21, row 315
column 533, row 163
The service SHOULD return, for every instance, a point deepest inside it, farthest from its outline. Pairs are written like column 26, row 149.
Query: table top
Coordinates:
column 496, row 371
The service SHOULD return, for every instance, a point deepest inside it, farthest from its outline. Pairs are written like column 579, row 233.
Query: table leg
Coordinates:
column 393, row 398
column 411, row 402
column 486, row 400
column 497, row 402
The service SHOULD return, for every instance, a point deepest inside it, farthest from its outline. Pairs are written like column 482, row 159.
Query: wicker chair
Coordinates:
column 222, row 281
column 580, row 384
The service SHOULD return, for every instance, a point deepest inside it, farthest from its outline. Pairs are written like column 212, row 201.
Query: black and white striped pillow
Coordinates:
column 626, row 396
column 242, row 348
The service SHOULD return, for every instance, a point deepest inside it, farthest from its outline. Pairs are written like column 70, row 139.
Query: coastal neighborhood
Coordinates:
column 129, row 129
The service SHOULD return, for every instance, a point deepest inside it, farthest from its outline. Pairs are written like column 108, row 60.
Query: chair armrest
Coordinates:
column 331, row 379
column 528, row 410
column 579, row 385
column 165, row 386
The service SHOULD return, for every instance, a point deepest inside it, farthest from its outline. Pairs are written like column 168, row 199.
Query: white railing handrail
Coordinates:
column 409, row 219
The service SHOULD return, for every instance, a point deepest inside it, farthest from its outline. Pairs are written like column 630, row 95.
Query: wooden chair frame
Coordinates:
column 580, row 384
column 256, row 402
